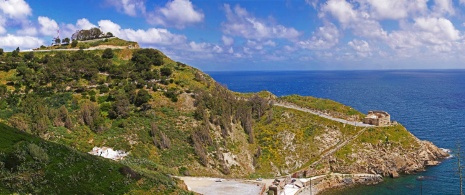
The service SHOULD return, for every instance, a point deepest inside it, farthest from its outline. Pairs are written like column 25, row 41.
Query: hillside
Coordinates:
column 174, row 119
column 29, row 164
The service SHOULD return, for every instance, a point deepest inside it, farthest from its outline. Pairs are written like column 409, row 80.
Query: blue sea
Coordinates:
column 429, row 103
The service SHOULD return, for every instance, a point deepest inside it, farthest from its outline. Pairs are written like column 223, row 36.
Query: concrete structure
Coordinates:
column 377, row 118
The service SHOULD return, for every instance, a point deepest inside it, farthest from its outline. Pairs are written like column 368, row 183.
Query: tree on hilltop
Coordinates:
column 65, row 40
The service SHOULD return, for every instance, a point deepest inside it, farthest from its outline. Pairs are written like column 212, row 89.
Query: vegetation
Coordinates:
column 30, row 165
column 329, row 106
column 172, row 118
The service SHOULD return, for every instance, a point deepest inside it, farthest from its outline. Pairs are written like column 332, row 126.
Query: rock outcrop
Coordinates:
column 388, row 159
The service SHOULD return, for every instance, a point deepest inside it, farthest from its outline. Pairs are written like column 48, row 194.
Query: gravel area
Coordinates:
column 210, row 186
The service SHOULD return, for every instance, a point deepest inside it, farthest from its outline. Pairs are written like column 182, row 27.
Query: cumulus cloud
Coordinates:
column 325, row 37
column 241, row 23
column 129, row 7
column 155, row 36
column 227, row 40
column 361, row 47
column 443, row 7
column 177, row 13
column 359, row 21
column 15, row 8
column 393, row 9
column 28, row 30
column 68, row 29
column 24, row 42
column 438, row 34
column 48, row 26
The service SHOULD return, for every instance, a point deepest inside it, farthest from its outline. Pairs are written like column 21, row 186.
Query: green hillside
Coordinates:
column 31, row 165
column 174, row 119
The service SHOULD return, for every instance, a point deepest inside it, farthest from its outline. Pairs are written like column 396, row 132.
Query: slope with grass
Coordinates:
column 174, row 119
column 29, row 164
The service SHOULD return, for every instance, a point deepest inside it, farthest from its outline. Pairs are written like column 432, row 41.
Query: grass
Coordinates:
column 334, row 108
column 67, row 171
column 303, row 128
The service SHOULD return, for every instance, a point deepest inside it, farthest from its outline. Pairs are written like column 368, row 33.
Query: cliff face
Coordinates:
column 385, row 157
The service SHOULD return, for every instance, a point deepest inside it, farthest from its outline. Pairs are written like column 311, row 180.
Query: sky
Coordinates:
column 222, row 35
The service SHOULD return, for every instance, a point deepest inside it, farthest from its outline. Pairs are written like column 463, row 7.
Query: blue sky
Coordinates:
column 258, row 34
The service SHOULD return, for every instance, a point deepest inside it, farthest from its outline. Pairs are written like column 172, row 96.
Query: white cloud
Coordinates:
column 48, row 26
column 155, row 36
column 68, row 29
column 177, row 13
column 84, row 23
column 425, row 36
column 361, row 47
column 341, row 10
column 129, row 7
column 393, row 9
column 440, row 28
column 443, row 7
column 325, row 37
column 16, row 9
column 227, row 40
column 24, row 42
column 241, row 23
column 28, row 30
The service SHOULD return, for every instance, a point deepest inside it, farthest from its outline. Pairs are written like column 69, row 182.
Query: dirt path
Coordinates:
column 295, row 107
column 339, row 146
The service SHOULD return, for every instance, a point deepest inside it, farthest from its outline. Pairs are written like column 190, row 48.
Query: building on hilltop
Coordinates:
column 377, row 118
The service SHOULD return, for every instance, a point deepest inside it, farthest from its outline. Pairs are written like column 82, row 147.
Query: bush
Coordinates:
column 108, row 53
column 166, row 71
column 74, row 43
column 129, row 172
column 172, row 94
column 37, row 153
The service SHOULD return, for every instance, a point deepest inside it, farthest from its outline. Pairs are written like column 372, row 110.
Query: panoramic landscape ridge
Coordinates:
column 168, row 122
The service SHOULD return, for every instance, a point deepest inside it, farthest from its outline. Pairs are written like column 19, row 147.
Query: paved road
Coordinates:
column 295, row 107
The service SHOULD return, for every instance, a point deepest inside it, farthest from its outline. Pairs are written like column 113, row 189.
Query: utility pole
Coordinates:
column 459, row 167
column 421, row 178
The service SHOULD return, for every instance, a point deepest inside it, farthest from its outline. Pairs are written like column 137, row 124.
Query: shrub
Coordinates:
column 127, row 171
column 165, row 71
column 108, row 53
column 37, row 153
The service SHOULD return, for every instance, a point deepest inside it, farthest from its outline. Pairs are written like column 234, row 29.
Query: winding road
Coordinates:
column 295, row 107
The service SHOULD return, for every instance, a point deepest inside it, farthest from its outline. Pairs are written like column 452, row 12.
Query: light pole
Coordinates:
column 421, row 178
column 310, row 185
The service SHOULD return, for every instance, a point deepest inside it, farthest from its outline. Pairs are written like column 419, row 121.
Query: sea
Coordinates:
column 429, row 103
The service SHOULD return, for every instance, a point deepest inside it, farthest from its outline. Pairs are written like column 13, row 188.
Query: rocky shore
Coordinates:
column 382, row 159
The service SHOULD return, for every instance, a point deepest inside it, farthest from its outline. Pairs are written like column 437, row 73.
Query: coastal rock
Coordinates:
column 394, row 174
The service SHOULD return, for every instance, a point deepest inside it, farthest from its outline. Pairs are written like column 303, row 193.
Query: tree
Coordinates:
column 165, row 71
column 57, row 41
column 15, row 52
column 74, row 43
column 109, row 34
column 142, row 97
column 90, row 115
column 1, row 51
column 65, row 40
column 108, row 53
column 145, row 58
column 29, row 55
column 95, row 33
column 120, row 108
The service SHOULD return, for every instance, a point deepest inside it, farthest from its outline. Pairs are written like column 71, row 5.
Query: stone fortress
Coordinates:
column 377, row 118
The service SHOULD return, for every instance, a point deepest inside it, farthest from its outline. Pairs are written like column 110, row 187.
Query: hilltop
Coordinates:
column 175, row 119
